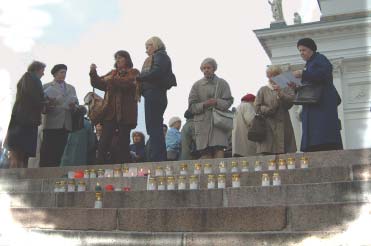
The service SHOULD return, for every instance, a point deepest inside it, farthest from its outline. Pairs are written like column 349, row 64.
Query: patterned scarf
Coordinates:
column 147, row 64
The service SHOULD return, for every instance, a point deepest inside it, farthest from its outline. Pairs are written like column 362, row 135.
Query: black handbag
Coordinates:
column 258, row 129
column 308, row 94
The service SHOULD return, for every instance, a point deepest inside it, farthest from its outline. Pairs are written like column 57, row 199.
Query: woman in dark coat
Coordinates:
column 320, row 123
column 26, row 116
column 120, row 114
column 156, row 78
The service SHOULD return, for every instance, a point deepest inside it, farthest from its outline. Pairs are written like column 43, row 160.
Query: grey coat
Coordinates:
column 280, row 134
column 60, row 116
column 206, row 134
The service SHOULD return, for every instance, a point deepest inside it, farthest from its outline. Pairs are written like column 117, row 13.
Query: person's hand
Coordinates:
column 72, row 105
column 298, row 73
column 292, row 85
column 93, row 67
column 210, row 102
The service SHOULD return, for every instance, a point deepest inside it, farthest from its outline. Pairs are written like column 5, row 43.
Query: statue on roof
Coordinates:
column 297, row 18
column 276, row 6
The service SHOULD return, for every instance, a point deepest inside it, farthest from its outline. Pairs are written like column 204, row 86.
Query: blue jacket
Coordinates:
column 173, row 140
column 79, row 146
column 320, row 123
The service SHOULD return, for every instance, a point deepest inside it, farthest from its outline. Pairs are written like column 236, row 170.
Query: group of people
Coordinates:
column 67, row 133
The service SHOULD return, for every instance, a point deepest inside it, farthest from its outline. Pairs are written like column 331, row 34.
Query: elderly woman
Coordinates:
column 26, row 116
column 320, row 123
column 208, row 93
column 120, row 114
column 241, row 145
column 274, row 103
column 156, row 78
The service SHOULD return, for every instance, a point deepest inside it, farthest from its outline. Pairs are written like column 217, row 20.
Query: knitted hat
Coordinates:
column 307, row 42
column 248, row 98
column 173, row 120
column 58, row 67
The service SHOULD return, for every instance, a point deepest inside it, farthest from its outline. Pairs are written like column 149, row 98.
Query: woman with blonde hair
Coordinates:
column 155, row 79
column 274, row 103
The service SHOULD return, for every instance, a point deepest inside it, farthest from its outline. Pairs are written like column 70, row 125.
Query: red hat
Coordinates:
column 248, row 98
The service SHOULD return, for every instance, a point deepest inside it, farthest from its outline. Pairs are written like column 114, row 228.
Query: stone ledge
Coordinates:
column 318, row 217
column 355, row 191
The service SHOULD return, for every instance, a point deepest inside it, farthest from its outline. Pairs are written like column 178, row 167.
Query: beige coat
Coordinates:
column 240, row 144
column 207, row 135
column 280, row 134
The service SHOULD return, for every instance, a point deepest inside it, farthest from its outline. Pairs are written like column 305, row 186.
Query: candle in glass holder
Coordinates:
column 117, row 172
column 98, row 200
column 234, row 167
column 222, row 167
column 169, row 170
column 208, row 169
column 92, row 174
column 125, row 172
column 221, row 181
column 108, row 173
column 281, row 164
column 197, row 169
column 151, row 183
column 265, row 180
column 183, row 169
column 141, row 172
column 100, row 173
column 159, row 171
column 304, row 162
column 81, row 186
column 193, row 182
column 86, row 174
column 71, row 186
column 161, row 183
column 244, row 166
column 57, row 186
column 258, row 166
column 181, row 183
column 170, row 183
column 291, row 163
column 272, row 165
column 210, row 181
column 276, row 179
column 236, row 180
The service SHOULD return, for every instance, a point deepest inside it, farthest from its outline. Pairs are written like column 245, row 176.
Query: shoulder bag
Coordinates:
column 222, row 119
column 308, row 94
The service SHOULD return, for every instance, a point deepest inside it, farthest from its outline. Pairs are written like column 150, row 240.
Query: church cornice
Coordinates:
column 289, row 34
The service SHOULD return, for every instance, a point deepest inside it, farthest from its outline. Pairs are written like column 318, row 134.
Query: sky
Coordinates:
column 80, row 32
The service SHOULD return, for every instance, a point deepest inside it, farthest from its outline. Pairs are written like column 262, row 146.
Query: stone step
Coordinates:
column 120, row 238
column 355, row 191
column 294, row 176
column 300, row 218
column 316, row 159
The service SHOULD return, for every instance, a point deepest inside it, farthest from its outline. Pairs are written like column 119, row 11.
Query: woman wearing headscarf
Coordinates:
column 320, row 123
column 210, row 140
column 26, row 116
column 274, row 103
column 156, row 78
column 120, row 115
column 245, row 112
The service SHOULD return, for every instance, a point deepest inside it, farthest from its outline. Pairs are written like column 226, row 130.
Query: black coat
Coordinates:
column 29, row 101
column 160, row 75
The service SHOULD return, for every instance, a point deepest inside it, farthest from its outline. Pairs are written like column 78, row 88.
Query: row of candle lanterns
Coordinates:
column 169, row 183
column 183, row 170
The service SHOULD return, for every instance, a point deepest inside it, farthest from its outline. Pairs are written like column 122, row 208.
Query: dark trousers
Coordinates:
column 113, row 147
column 155, row 103
column 52, row 147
